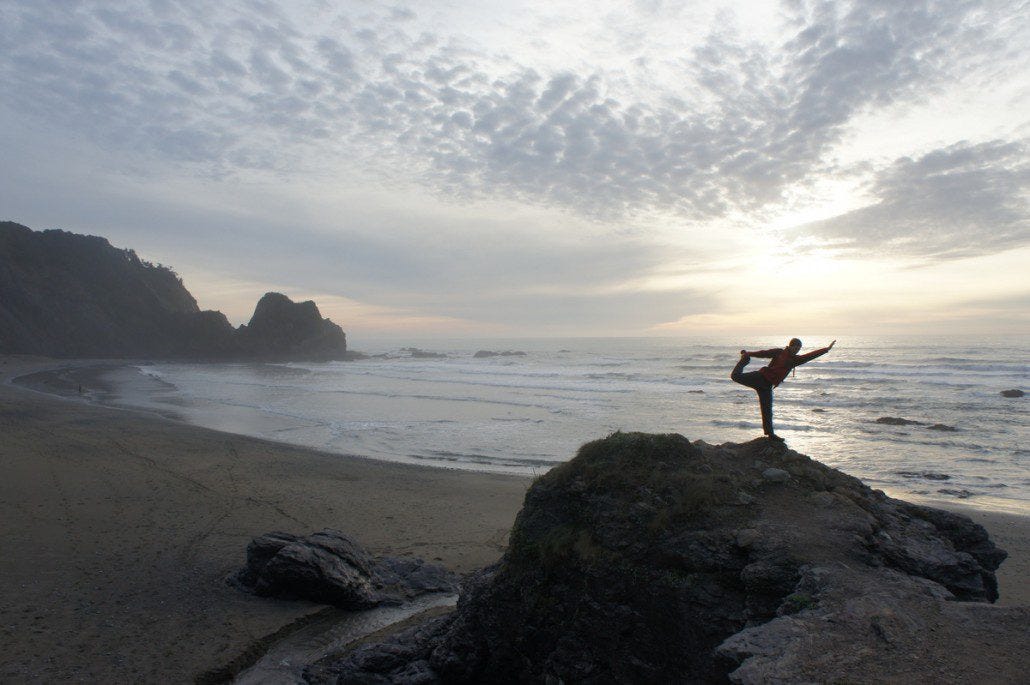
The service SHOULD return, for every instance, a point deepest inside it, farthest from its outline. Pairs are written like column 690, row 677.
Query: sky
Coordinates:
column 471, row 168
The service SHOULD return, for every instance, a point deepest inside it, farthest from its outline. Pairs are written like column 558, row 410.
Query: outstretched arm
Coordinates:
column 766, row 354
column 809, row 356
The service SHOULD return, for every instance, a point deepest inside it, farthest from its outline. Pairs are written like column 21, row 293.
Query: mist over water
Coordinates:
column 522, row 414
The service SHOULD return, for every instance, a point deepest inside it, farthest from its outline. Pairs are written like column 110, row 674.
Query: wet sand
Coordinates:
column 118, row 529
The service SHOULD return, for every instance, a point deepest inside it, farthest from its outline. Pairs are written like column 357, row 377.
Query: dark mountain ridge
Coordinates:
column 69, row 295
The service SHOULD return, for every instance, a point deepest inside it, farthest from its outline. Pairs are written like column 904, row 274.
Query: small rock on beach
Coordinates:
column 331, row 568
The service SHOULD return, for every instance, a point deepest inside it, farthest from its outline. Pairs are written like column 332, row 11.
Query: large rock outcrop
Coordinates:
column 650, row 559
column 68, row 295
column 283, row 328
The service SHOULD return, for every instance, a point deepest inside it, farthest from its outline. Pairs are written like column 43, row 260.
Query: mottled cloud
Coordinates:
column 961, row 201
column 244, row 86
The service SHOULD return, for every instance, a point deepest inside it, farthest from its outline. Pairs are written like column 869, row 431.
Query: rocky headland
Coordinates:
column 648, row 558
column 68, row 295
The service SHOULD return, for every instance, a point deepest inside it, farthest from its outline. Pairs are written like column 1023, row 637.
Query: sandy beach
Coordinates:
column 118, row 530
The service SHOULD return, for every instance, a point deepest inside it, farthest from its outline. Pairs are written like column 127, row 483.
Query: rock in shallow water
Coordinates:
column 331, row 568
column 928, row 475
column 640, row 561
column 897, row 421
column 483, row 354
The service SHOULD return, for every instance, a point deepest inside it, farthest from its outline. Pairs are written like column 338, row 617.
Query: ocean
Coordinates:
column 436, row 403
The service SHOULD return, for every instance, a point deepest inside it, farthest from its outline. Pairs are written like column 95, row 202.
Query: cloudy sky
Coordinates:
column 472, row 167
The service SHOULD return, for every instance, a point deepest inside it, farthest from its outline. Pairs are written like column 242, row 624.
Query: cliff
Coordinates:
column 649, row 558
column 69, row 295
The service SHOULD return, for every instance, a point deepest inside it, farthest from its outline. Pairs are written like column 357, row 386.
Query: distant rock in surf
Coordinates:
column 897, row 421
column 1015, row 392
column 928, row 475
column 648, row 558
column 961, row 494
column 416, row 353
column 482, row 354
column 331, row 568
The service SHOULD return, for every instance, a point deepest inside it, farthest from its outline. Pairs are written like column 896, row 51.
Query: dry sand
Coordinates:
column 118, row 530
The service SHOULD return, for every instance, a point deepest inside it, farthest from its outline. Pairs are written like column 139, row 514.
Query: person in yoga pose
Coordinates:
column 768, row 377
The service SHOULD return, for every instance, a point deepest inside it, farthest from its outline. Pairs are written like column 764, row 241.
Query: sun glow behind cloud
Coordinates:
column 548, row 169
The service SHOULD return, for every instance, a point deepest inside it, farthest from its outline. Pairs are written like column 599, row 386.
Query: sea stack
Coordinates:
column 281, row 328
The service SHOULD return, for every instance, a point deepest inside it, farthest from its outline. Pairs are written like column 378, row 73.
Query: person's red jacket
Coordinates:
column 783, row 361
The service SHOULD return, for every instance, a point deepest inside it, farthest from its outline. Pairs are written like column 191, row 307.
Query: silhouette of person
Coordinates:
column 768, row 377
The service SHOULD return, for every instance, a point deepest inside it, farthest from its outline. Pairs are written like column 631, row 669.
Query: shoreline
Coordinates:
column 122, row 523
column 84, row 381
column 59, row 378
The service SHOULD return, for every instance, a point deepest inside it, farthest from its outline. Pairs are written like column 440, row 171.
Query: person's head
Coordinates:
column 794, row 345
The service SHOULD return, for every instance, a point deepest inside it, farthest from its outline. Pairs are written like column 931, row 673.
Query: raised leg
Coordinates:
column 738, row 370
